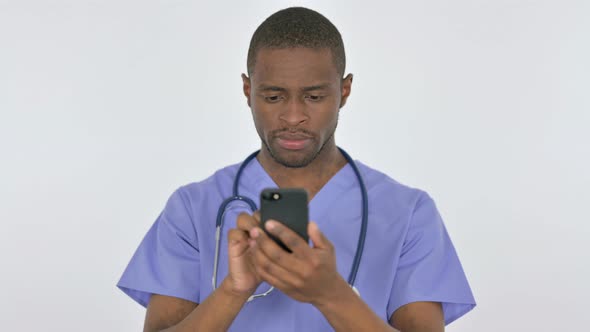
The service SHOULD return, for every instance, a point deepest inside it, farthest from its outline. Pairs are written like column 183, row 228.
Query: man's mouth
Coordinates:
column 293, row 141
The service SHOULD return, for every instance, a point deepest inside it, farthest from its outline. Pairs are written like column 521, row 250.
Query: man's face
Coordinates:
column 295, row 95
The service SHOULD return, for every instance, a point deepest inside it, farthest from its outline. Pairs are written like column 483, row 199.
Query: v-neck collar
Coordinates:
column 255, row 179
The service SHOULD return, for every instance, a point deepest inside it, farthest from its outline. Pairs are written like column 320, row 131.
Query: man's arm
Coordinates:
column 348, row 312
column 309, row 275
column 419, row 317
column 216, row 313
column 220, row 308
column 166, row 311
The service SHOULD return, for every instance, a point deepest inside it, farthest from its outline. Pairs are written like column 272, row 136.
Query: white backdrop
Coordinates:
column 108, row 106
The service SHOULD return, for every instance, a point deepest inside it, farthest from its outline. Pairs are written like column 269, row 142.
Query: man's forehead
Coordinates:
column 313, row 65
column 294, row 54
column 269, row 50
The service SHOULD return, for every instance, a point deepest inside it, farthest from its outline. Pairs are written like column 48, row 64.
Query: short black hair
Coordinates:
column 297, row 27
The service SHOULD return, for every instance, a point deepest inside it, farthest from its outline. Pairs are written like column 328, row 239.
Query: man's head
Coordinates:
column 295, row 87
column 297, row 27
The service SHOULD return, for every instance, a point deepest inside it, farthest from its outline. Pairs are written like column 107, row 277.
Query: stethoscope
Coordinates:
column 237, row 197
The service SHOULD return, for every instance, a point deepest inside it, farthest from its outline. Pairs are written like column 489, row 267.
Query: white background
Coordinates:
column 106, row 107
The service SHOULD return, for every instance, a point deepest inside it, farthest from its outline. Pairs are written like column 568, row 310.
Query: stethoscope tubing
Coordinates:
column 237, row 197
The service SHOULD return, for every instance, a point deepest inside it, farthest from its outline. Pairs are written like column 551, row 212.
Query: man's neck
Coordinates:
column 312, row 177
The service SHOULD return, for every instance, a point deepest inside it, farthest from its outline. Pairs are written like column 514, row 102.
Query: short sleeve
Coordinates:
column 167, row 260
column 429, row 269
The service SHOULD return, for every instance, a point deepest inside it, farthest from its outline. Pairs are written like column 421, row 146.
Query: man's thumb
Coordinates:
column 317, row 237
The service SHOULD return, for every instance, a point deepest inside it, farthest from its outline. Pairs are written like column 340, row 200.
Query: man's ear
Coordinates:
column 246, row 87
column 346, row 86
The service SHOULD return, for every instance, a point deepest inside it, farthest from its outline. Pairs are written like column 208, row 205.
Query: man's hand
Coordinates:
column 308, row 274
column 242, row 277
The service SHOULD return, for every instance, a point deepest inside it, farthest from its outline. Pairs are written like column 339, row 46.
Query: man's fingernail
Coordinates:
column 270, row 225
column 254, row 233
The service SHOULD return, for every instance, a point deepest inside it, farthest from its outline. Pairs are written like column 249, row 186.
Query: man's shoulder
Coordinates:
column 217, row 183
column 382, row 186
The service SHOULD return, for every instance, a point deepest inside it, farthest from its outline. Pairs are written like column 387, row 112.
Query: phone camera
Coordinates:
column 271, row 196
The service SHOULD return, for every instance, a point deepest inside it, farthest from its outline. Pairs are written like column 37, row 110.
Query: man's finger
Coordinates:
column 256, row 215
column 291, row 239
column 318, row 238
column 246, row 222
column 273, row 251
column 280, row 273
column 236, row 235
column 238, row 242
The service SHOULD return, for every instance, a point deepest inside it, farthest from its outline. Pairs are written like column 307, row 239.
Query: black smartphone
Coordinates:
column 288, row 206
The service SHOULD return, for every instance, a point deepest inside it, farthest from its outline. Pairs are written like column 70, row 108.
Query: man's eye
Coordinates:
column 314, row 97
column 272, row 99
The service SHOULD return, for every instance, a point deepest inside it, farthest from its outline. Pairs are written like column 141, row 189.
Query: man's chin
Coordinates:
column 293, row 158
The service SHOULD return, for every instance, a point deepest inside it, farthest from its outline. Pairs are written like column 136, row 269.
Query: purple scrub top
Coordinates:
column 408, row 254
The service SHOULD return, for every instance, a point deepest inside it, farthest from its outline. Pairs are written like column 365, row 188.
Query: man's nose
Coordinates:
column 295, row 112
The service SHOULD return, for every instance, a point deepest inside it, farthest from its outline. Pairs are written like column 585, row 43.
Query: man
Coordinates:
column 409, row 278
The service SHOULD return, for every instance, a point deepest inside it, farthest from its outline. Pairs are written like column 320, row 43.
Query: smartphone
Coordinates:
column 288, row 206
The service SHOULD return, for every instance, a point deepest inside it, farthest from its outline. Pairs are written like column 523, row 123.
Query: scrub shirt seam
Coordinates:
column 417, row 204
column 188, row 212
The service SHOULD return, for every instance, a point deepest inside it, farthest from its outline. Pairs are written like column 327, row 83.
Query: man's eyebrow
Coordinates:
column 322, row 86
column 264, row 87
